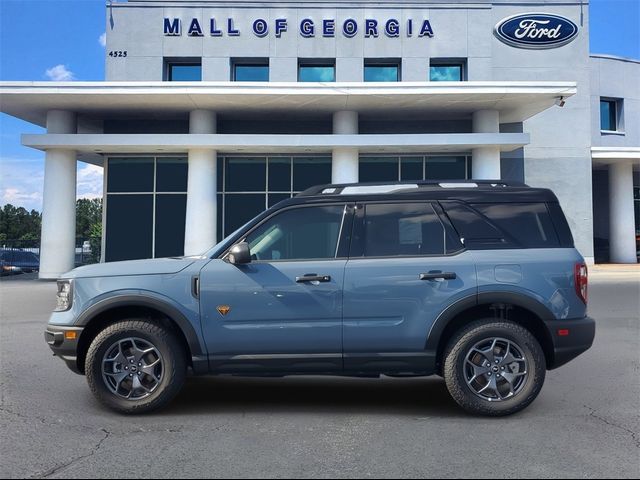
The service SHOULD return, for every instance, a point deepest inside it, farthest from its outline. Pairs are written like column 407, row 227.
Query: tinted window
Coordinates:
column 129, row 227
column 316, row 73
column 528, row 223
column 170, row 217
column 378, row 169
column 402, row 229
column 446, row 73
column 608, row 115
column 474, row 229
column 280, row 174
column 130, row 175
column 171, row 175
column 239, row 208
column 446, row 168
column 184, row 72
column 296, row 234
column 310, row 171
column 381, row 73
column 411, row 168
column 246, row 174
column 251, row 73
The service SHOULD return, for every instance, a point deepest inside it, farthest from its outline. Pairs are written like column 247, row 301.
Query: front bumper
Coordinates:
column 62, row 346
column 570, row 338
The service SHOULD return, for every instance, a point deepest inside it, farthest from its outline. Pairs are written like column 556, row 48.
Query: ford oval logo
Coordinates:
column 536, row 30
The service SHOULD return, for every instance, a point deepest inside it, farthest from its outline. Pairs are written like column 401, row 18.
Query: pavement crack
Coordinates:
column 94, row 450
column 634, row 435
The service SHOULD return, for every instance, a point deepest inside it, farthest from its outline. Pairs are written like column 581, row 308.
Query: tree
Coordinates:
column 16, row 223
column 88, row 216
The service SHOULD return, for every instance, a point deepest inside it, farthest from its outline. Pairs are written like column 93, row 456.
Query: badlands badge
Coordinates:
column 223, row 309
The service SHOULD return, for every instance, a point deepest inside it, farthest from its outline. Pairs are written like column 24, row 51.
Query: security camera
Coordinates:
column 560, row 101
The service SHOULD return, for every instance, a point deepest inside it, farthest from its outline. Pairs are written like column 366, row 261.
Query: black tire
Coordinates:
column 174, row 365
column 454, row 364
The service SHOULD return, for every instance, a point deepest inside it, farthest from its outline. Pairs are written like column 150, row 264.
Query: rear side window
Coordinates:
column 402, row 229
column 528, row 223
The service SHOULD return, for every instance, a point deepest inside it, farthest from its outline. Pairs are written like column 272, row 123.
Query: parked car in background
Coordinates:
column 15, row 261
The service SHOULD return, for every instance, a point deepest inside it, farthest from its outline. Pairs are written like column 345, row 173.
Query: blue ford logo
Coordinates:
column 536, row 30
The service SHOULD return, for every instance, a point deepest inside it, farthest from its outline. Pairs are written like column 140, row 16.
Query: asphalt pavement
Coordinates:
column 585, row 423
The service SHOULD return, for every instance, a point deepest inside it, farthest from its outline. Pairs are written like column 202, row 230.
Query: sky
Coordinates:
column 63, row 40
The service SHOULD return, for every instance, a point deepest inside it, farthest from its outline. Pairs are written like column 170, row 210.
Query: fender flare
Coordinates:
column 453, row 310
column 141, row 300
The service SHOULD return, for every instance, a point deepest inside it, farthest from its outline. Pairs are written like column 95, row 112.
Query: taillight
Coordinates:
column 581, row 281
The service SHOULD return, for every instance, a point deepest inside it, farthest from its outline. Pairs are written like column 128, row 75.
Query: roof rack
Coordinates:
column 370, row 188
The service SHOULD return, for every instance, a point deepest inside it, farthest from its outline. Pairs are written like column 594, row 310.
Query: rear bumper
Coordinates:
column 63, row 347
column 570, row 338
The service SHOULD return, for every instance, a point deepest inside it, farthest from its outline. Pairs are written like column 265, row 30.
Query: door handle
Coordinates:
column 438, row 276
column 312, row 277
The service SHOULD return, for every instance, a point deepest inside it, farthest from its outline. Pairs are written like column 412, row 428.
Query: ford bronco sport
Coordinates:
column 478, row 282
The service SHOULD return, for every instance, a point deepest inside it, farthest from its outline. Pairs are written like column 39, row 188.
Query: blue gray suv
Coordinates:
column 478, row 282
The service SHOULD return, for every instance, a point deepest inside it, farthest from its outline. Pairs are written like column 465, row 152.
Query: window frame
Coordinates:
column 618, row 106
column 344, row 234
column 356, row 251
column 449, row 62
column 250, row 62
column 183, row 62
column 317, row 62
column 382, row 62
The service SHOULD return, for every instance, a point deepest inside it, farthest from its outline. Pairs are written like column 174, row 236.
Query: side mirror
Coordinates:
column 240, row 254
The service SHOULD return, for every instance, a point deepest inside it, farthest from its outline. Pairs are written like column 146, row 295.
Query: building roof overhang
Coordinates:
column 516, row 101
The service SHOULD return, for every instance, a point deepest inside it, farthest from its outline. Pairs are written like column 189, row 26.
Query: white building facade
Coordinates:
column 213, row 111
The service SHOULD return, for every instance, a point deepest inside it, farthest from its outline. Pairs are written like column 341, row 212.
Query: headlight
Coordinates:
column 64, row 297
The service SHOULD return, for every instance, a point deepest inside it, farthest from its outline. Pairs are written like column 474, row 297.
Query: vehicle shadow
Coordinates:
column 332, row 395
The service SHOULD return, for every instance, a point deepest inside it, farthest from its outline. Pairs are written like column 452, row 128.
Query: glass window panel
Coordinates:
column 170, row 217
column 220, row 234
column 277, row 197
column 529, row 223
column 402, row 229
column 220, row 173
column 246, row 174
column 411, row 168
column 317, row 73
column 310, row 171
column 129, row 227
column 608, row 118
column 381, row 73
column 240, row 208
column 445, row 73
column 171, row 175
column 251, row 73
column 185, row 72
column 378, row 169
column 445, row 168
column 280, row 174
column 130, row 175
column 300, row 233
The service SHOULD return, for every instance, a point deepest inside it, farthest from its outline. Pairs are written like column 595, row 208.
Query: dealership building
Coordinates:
column 212, row 111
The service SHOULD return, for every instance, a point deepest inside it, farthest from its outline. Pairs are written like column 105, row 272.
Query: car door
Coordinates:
column 405, row 267
column 283, row 311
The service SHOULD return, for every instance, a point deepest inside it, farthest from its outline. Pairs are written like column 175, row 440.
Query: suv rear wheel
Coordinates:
column 494, row 367
column 135, row 366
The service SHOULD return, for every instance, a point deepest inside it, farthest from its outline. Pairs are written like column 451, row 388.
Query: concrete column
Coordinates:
column 200, row 224
column 58, row 233
column 344, row 164
column 622, row 239
column 486, row 160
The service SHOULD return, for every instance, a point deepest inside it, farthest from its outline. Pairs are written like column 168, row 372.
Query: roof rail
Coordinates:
column 402, row 187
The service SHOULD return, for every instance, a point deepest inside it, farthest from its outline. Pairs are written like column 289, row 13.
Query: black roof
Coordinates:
column 475, row 191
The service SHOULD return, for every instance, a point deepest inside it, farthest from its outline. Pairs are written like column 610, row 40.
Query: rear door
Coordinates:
column 406, row 266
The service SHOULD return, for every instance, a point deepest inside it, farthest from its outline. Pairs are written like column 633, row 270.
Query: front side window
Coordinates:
column 402, row 229
column 317, row 71
column 302, row 233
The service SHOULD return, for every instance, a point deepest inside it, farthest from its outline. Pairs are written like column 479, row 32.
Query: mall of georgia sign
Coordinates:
column 536, row 30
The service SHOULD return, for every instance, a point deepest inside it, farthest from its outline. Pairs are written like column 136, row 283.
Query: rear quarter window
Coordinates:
column 529, row 224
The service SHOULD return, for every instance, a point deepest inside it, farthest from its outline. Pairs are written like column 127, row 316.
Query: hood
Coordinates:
column 156, row 266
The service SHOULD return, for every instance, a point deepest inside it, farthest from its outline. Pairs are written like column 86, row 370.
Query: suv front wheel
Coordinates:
column 135, row 366
column 494, row 367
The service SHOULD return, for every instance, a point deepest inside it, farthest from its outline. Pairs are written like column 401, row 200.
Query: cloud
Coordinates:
column 59, row 73
column 21, row 181
column 102, row 39
column 89, row 181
